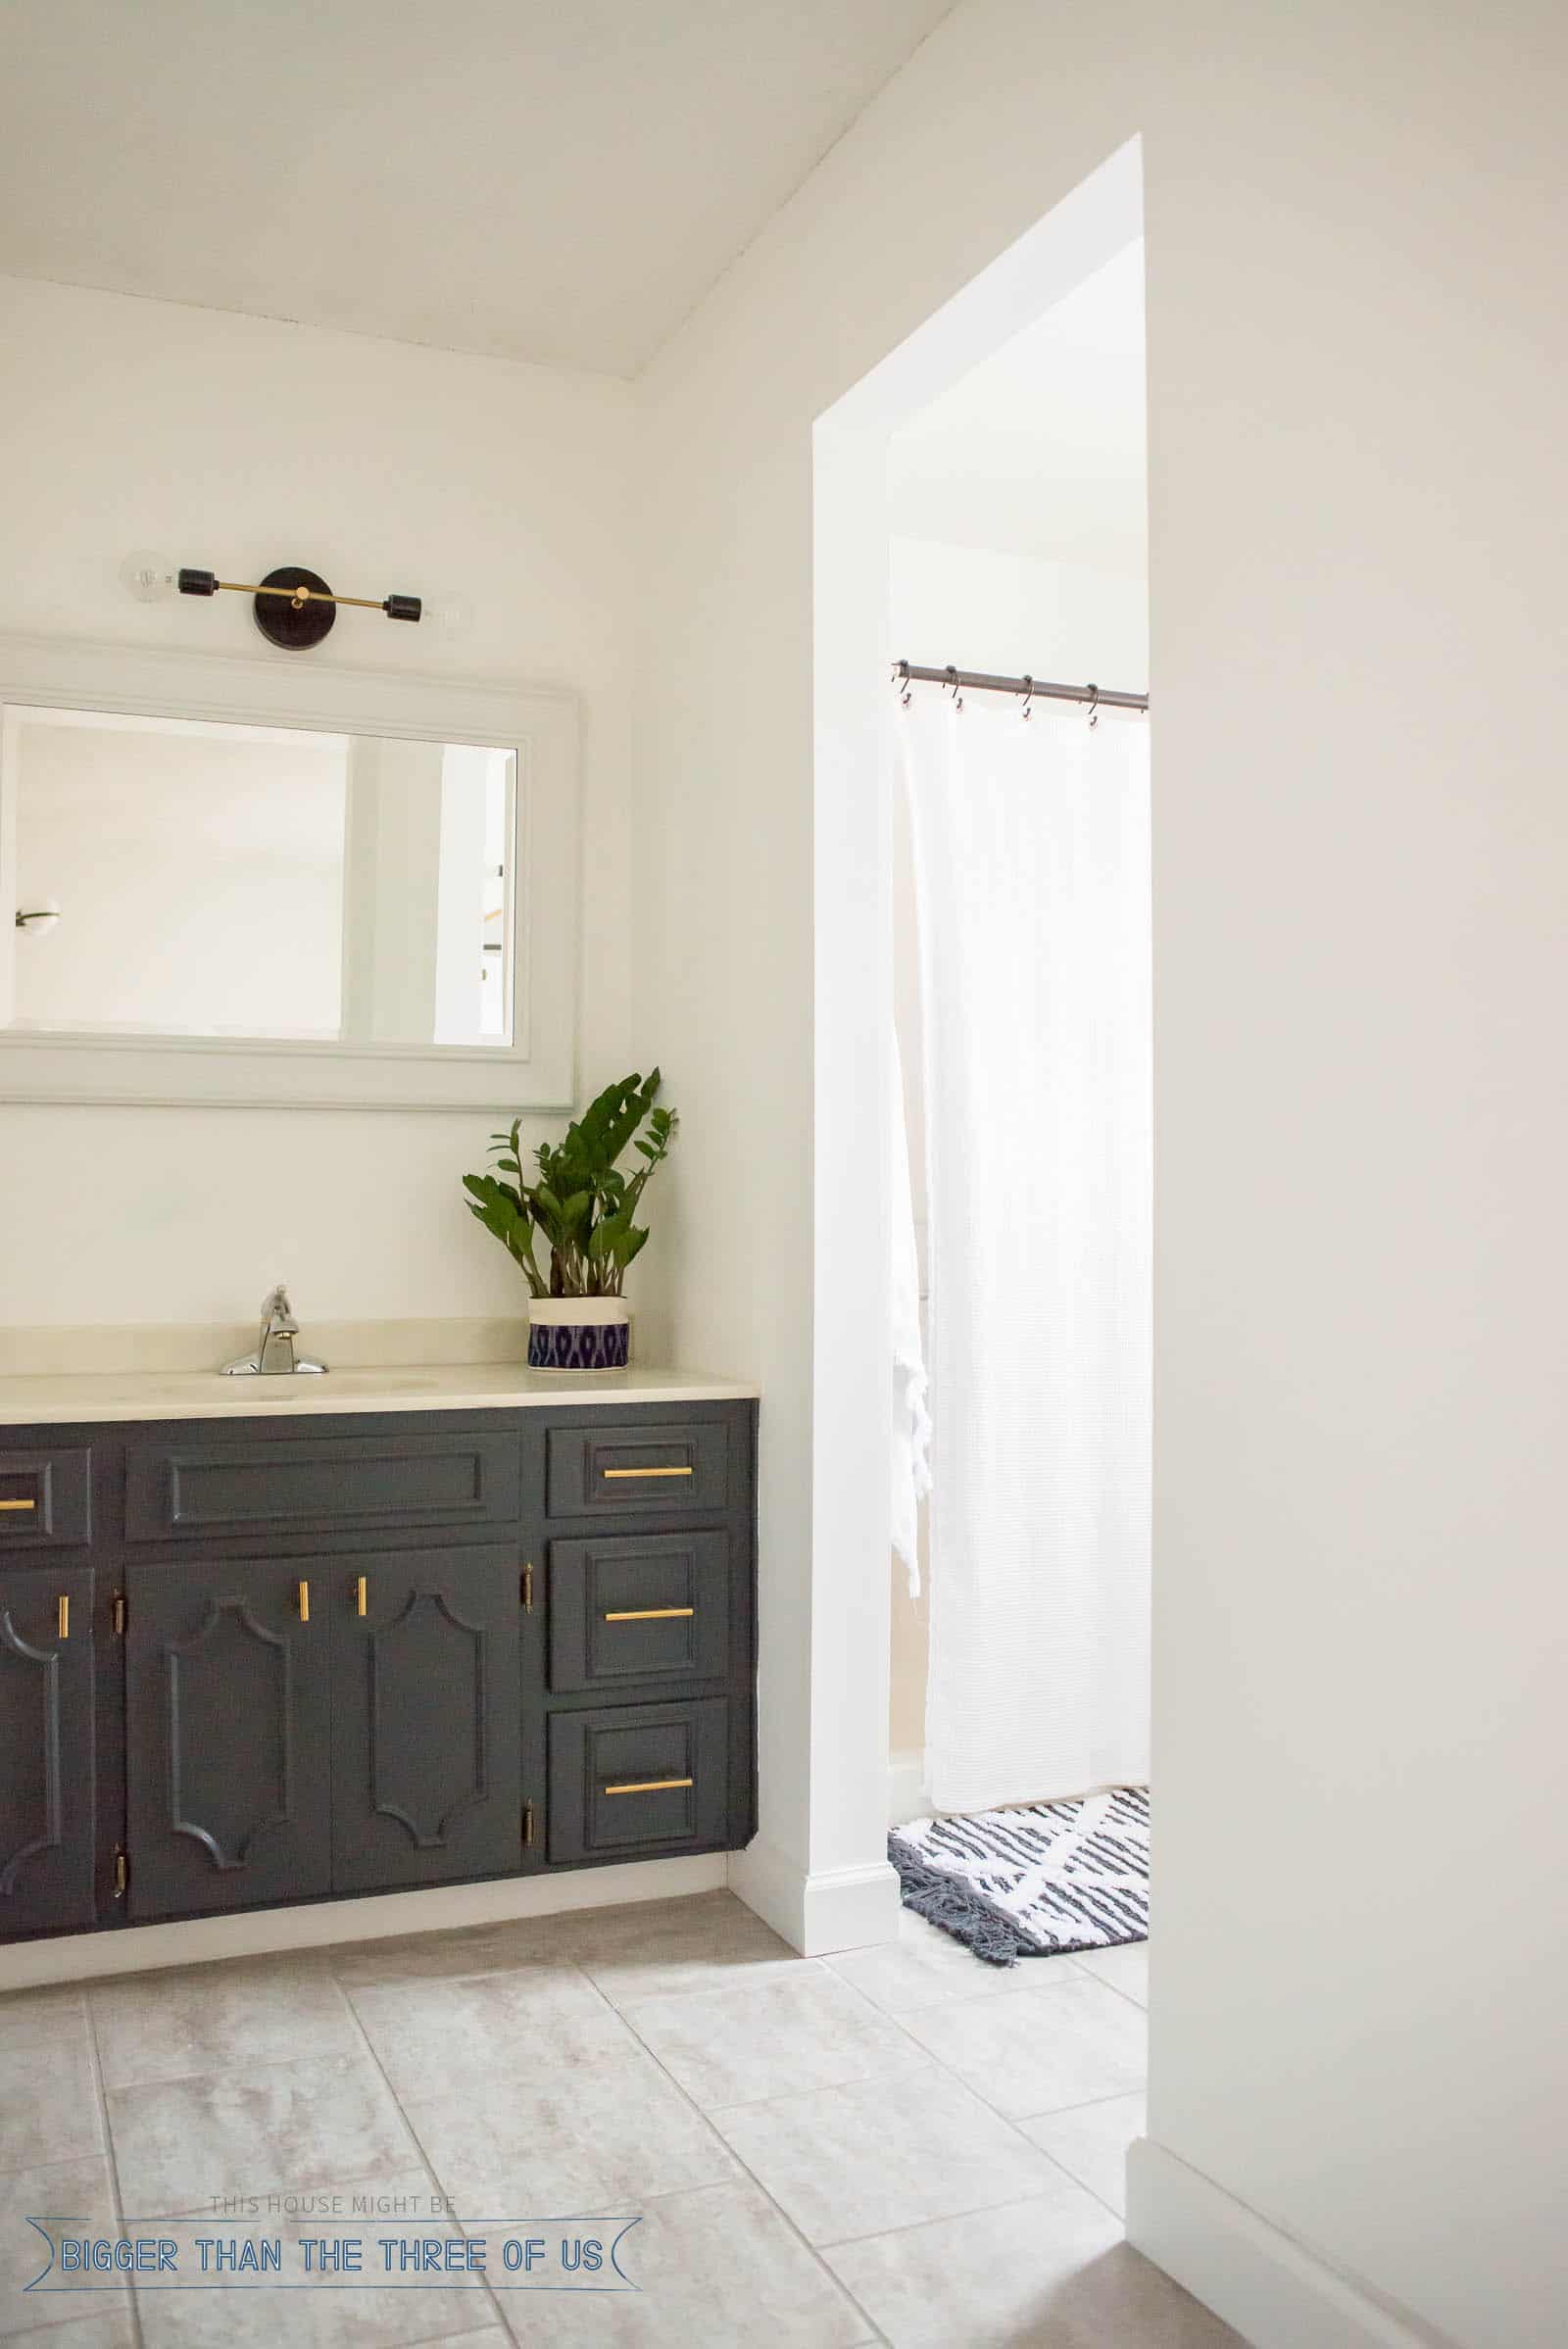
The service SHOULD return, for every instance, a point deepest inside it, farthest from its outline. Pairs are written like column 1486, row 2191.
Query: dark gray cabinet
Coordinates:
column 48, row 1757
column 265, row 1660
column 426, row 1743
column 227, row 1736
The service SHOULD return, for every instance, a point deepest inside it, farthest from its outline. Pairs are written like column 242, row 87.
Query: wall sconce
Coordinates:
column 38, row 918
column 294, row 608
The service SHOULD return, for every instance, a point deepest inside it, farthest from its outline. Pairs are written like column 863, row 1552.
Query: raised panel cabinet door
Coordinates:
column 426, row 1732
column 226, row 1735
column 48, row 1760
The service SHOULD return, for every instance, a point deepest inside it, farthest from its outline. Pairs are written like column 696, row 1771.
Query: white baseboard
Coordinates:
column 907, row 1791
column 82, row 1957
column 842, row 1908
column 1275, row 2294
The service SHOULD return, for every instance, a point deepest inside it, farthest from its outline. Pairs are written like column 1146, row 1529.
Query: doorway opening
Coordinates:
column 980, row 503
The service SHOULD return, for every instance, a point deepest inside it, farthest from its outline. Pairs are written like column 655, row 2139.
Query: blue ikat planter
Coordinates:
column 598, row 1344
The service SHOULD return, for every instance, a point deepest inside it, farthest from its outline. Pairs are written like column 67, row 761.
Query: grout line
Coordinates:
column 978, row 2209
column 836, row 2282
column 428, row 2166
column 110, row 2157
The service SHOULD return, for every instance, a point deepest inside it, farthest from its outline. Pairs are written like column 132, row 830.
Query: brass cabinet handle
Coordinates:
column 647, row 1785
column 623, row 1472
column 63, row 1616
column 646, row 1614
column 305, row 1602
column 361, row 1593
column 32, row 1504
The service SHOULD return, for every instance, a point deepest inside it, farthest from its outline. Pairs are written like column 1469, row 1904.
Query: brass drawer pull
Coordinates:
column 305, row 1602
column 63, row 1616
column 608, row 1473
column 360, row 1593
column 32, row 1504
column 647, row 1785
column 646, row 1614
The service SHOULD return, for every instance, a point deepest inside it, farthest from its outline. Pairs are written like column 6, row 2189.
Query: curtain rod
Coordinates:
column 908, row 673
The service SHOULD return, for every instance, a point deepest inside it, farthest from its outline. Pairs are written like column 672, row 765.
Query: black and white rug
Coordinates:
column 1032, row 1882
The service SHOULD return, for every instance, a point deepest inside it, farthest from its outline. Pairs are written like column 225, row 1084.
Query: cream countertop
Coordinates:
column 86, row 1396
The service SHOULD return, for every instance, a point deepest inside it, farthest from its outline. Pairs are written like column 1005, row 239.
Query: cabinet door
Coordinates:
column 48, row 1749
column 226, row 1735
column 426, row 1741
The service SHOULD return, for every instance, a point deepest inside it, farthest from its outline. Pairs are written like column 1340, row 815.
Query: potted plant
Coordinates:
column 582, row 1208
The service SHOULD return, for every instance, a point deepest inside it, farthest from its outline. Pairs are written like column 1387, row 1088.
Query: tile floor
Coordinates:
column 899, row 2145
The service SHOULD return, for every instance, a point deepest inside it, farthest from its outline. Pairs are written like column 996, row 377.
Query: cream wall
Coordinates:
column 1357, row 347
column 241, row 442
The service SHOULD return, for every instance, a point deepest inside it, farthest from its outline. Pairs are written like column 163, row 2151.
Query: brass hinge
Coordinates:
column 527, row 1824
column 122, row 1871
column 119, row 1617
column 527, row 1590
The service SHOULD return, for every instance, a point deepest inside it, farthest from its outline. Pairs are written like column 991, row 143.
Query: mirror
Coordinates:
column 181, row 878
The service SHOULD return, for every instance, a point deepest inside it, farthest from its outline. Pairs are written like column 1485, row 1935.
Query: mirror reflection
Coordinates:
column 171, row 877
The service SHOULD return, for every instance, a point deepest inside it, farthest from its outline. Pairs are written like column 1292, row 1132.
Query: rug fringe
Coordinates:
column 946, row 1901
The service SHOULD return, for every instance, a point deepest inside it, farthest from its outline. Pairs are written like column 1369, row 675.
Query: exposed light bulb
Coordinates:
column 448, row 614
column 149, row 576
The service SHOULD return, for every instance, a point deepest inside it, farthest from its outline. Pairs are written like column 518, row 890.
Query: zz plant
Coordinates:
column 581, row 1207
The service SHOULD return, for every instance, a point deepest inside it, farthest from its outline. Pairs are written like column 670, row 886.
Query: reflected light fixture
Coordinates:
column 294, row 608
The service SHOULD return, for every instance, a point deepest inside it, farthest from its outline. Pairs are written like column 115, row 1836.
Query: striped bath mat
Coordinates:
column 1036, row 1882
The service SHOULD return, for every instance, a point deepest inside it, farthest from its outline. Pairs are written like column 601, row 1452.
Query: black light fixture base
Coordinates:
column 295, row 626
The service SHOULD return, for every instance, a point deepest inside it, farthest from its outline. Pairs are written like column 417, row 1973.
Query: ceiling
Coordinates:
column 556, row 181
column 1041, row 448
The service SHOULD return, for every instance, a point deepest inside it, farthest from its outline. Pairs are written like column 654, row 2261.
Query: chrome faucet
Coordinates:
column 274, row 1354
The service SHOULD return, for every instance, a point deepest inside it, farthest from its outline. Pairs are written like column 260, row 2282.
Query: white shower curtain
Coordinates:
column 1031, row 846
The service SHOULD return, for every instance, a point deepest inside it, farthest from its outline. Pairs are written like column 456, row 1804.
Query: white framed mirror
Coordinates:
column 221, row 882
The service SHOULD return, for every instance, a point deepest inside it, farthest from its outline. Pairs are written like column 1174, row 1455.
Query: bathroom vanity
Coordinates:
column 409, row 1630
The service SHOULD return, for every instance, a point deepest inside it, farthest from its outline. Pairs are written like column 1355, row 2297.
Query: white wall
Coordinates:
column 242, row 443
column 200, row 881
column 1357, row 347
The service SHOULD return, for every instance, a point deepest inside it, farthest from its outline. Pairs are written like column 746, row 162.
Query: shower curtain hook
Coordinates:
column 952, row 676
column 1094, row 704
column 1028, row 695
column 900, row 682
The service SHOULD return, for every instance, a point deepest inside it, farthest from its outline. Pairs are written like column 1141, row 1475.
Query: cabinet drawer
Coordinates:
column 45, row 1500
column 638, row 1470
column 638, row 1779
column 638, row 1607
column 227, row 1488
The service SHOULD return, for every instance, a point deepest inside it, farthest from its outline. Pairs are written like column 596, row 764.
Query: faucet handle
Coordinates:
column 277, row 1313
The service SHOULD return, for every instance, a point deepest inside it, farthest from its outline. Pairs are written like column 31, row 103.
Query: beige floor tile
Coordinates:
column 583, row 2121
column 1071, row 2041
column 113, row 2330
column 438, row 1956
column 28, row 2014
column 802, row 2029
column 714, row 2269
column 925, row 1966
column 855, row 2161
column 660, row 1949
column 300, row 2127
column 48, row 2095
column 222, row 2017
column 431, row 2032
column 324, row 2316
column 78, row 2189
column 1048, row 2273
column 1092, row 2143
column 1124, row 1968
